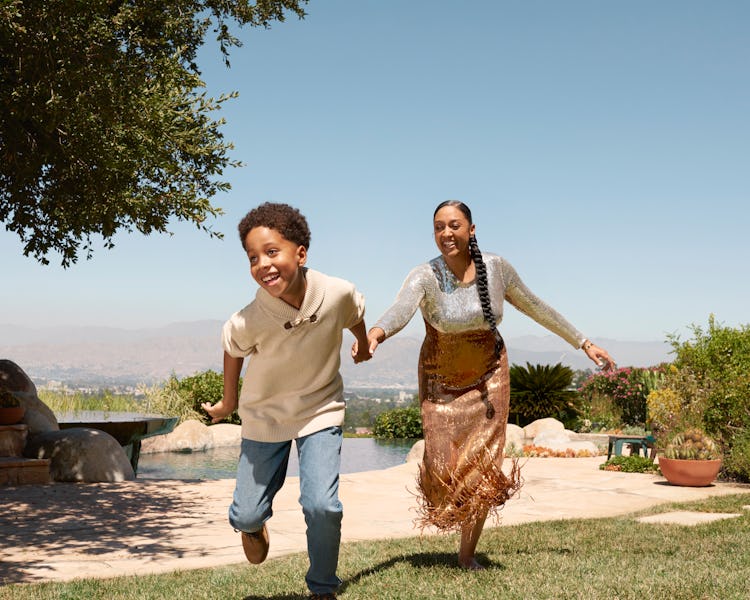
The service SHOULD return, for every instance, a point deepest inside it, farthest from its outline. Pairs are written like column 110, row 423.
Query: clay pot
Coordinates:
column 10, row 415
column 689, row 473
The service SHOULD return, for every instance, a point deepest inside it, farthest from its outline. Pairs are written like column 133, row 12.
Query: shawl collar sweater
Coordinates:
column 292, row 386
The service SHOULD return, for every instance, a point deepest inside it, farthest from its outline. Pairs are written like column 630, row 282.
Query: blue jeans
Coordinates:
column 260, row 474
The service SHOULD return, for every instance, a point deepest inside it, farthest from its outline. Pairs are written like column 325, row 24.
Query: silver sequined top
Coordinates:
column 452, row 306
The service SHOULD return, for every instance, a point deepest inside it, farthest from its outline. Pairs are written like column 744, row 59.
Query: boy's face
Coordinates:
column 275, row 264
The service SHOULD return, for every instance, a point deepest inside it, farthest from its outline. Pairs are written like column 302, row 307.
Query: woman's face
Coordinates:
column 452, row 231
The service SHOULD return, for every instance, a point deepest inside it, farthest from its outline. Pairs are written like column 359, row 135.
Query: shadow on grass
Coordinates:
column 97, row 521
column 420, row 560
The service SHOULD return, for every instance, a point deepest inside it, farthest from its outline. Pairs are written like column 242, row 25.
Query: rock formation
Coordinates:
column 78, row 454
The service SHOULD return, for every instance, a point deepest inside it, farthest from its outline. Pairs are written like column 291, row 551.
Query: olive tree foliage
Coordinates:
column 104, row 120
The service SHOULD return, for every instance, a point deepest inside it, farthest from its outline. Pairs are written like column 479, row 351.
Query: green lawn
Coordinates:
column 615, row 558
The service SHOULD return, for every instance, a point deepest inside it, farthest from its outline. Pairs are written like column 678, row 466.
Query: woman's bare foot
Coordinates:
column 470, row 564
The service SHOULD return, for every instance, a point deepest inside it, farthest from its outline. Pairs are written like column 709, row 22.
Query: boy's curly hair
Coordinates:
column 285, row 219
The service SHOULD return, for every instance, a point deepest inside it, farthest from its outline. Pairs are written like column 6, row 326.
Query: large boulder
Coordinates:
column 416, row 454
column 514, row 437
column 561, row 441
column 534, row 428
column 81, row 454
column 225, row 434
column 188, row 436
column 38, row 417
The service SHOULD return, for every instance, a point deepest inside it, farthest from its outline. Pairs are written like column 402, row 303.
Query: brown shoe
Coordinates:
column 255, row 545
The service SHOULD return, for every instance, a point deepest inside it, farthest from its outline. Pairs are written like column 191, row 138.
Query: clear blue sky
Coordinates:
column 603, row 146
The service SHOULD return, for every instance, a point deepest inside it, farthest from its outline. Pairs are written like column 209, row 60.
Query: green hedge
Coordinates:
column 399, row 423
column 719, row 358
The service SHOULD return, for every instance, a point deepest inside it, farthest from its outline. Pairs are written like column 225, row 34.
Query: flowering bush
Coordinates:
column 678, row 405
column 718, row 358
column 662, row 409
column 627, row 389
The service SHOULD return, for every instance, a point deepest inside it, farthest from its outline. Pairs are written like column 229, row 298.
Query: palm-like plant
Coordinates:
column 538, row 391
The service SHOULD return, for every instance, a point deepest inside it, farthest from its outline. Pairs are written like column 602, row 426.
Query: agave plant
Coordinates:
column 541, row 391
column 692, row 444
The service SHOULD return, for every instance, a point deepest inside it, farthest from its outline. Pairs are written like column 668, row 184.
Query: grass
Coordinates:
column 614, row 558
column 62, row 402
column 164, row 400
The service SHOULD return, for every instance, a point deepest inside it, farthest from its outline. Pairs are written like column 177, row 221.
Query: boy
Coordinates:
column 292, row 388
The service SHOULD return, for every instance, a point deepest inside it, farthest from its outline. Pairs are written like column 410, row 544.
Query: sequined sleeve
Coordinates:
column 407, row 301
column 532, row 306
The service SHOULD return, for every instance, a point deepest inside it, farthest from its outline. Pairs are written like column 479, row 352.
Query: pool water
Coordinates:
column 357, row 454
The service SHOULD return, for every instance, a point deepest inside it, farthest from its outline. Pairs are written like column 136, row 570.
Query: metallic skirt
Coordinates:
column 464, row 392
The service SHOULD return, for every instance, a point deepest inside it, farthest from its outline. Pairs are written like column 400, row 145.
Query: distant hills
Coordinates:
column 108, row 357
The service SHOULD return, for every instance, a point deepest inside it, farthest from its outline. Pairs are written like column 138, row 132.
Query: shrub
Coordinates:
column 737, row 462
column 719, row 360
column 679, row 405
column 627, row 388
column 184, row 397
column 662, row 408
column 166, row 400
column 399, row 423
column 629, row 464
column 599, row 412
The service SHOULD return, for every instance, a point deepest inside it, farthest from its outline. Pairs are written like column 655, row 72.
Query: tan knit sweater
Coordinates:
column 292, row 386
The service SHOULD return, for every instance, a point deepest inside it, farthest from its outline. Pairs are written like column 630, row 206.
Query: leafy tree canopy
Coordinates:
column 103, row 122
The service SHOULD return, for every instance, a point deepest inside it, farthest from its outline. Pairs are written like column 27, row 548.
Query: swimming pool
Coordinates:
column 357, row 454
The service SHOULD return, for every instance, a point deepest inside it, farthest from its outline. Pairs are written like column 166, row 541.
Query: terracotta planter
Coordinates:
column 10, row 415
column 690, row 473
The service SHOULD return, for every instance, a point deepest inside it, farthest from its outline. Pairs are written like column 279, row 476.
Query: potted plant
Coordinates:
column 691, row 458
column 11, row 410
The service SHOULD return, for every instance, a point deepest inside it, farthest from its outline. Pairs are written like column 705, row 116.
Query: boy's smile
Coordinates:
column 275, row 264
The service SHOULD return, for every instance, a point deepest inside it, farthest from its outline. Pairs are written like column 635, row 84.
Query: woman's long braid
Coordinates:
column 484, row 292
column 484, row 298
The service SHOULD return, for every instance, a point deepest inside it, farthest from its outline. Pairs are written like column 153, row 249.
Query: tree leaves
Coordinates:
column 103, row 122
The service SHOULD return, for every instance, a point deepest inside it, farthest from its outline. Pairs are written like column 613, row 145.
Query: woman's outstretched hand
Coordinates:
column 374, row 337
column 600, row 356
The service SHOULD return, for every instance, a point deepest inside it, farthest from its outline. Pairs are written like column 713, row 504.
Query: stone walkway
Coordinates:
column 64, row 531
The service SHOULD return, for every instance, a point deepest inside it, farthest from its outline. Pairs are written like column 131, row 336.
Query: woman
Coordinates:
column 464, row 388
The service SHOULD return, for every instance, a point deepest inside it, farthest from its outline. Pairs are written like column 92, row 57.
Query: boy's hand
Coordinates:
column 218, row 412
column 360, row 355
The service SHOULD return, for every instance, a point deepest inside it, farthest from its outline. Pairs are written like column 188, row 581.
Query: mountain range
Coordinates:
column 105, row 356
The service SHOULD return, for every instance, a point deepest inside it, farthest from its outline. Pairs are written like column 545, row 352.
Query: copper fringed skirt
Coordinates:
column 464, row 392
